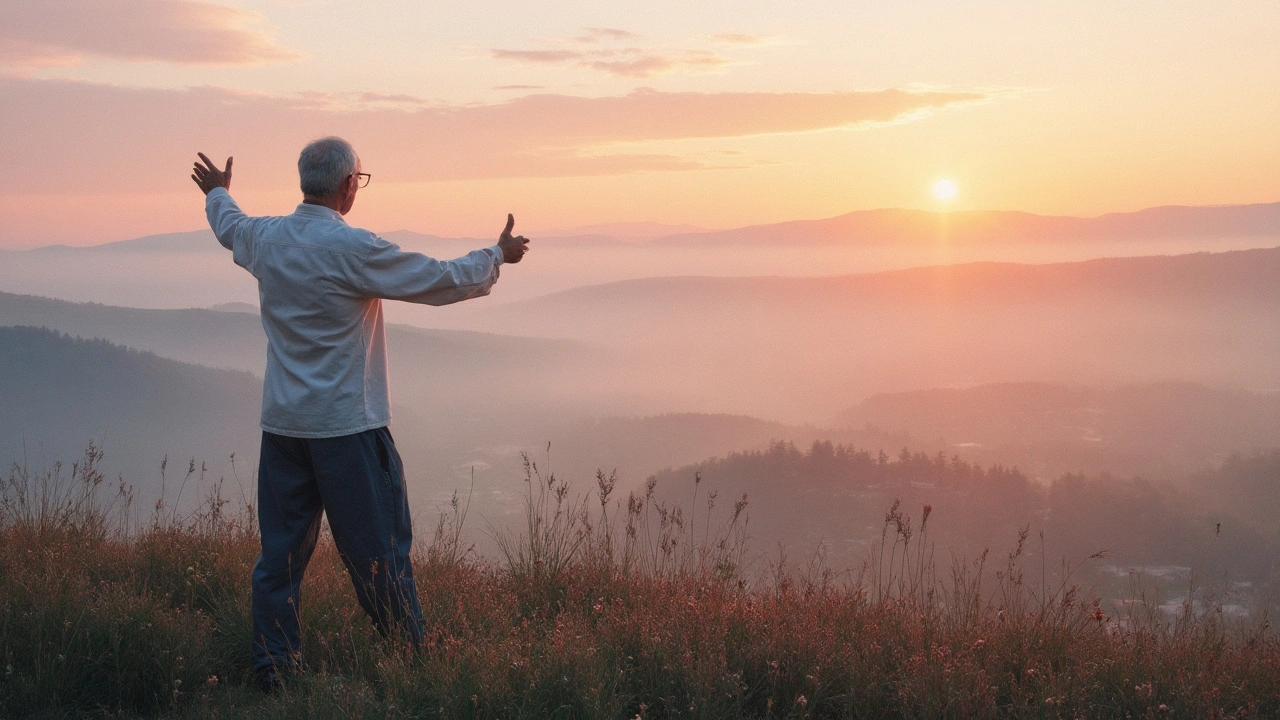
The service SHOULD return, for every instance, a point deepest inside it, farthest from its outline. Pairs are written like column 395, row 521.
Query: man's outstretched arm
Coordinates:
column 392, row 273
column 225, row 217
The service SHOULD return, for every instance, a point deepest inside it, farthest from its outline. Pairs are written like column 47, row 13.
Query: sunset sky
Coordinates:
column 716, row 114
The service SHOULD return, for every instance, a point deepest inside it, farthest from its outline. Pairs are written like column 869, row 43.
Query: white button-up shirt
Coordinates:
column 321, row 282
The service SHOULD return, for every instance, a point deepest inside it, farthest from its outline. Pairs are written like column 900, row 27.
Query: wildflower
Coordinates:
column 802, row 701
column 1097, row 615
column 979, row 644
column 1163, row 708
column 213, row 680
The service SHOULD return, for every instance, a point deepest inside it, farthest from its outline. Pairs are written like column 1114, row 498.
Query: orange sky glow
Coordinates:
column 714, row 116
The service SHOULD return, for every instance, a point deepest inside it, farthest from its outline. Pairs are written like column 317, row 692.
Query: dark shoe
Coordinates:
column 269, row 681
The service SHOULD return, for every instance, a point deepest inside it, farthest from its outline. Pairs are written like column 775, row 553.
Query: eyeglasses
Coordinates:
column 362, row 179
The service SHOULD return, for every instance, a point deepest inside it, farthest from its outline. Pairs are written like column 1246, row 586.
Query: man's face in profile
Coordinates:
column 350, row 187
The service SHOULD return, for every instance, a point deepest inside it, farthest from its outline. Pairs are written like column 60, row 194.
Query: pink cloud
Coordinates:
column 629, row 62
column 604, row 54
column 596, row 34
column 67, row 137
column 17, row 53
column 195, row 32
column 648, row 65
column 537, row 56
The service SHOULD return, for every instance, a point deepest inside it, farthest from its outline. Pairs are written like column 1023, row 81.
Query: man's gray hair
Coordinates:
column 324, row 164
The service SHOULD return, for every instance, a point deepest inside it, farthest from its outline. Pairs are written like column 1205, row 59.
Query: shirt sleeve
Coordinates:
column 394, row 274
column 230, row 225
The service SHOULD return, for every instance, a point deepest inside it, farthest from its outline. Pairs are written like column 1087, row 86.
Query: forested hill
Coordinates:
column 840, row 498
column 1046, row 427
column 59, row 392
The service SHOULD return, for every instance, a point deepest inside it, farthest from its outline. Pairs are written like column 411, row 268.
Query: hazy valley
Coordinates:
column 1159, row 366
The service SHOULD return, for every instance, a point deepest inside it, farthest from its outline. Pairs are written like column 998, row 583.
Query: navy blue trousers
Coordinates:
column 358, row 481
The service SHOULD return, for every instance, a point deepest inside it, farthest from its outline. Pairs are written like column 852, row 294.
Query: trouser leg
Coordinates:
column 361, row 482
column 289, row 512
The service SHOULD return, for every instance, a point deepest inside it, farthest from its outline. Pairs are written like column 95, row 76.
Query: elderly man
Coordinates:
column 325, row 405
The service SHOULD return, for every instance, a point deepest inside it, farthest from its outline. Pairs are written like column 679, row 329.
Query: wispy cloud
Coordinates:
column 625, row 62
column 743, row 39
column 143, row 138
column 192, row 32
column 360, row 101
column 642, row 65
column 540, row 57
column 632, row 60
column 597, row 34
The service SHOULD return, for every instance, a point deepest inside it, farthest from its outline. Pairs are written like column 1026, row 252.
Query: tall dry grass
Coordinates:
column 596, row 608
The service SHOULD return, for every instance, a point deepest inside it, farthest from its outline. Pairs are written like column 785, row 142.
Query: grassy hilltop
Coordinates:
column 595, row 609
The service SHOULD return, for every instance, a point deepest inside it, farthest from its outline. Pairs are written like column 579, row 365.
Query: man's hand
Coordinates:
column 513, row 248
column 208, row 176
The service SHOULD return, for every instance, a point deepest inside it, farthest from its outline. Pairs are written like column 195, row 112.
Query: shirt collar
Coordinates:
column 319, row 211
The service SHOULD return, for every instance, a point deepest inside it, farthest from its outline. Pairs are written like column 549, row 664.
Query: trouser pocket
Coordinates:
column 387, row 459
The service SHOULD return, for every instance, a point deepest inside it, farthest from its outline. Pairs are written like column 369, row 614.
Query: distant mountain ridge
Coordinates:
column 1250, row 274
column 996, row 226
column 232, row 337
column 184, row 242
column 627, row 230
column 869, row 227
column 780, row 345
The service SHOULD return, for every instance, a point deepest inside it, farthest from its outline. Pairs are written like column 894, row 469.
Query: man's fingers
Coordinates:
column 228, row 170
column 511, row 222
column 207, row 161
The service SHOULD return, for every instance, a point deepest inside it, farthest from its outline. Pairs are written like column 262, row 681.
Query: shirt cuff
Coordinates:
column 496, row 253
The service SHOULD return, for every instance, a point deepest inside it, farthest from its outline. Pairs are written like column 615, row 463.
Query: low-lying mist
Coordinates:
column 1125, row 403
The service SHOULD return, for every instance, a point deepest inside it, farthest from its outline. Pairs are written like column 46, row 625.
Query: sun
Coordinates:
column 944, row 189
